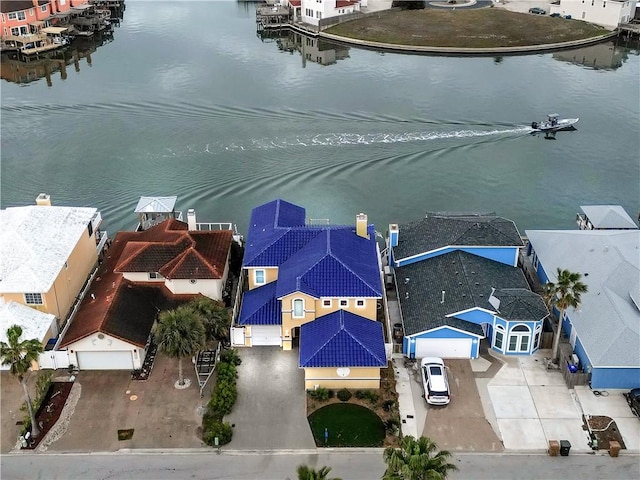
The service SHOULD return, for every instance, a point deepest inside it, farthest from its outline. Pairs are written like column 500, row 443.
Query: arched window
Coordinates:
column 519, row 339
column 537, row 337
column 298, row 308
column 498, row 337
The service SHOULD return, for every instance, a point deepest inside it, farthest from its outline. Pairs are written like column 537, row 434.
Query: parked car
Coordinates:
column 633, row 399
column 537, row 11
column 555, row 15
column 434, row 381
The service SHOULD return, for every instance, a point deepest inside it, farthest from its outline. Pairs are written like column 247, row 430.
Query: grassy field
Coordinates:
column 480, row 28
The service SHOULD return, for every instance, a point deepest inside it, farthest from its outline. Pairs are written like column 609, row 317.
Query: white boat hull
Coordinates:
column 561, row 124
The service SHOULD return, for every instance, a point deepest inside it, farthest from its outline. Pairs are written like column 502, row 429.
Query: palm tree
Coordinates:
column 307, row 473
column 19, row 355
column 215, row 318
column 416, row 460
column 179, row 333
column 562, row 294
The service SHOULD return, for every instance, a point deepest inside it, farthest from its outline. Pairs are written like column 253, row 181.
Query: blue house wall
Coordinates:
column 506, row 255
column 476, row 316
column 625, row 378
column 409, row 347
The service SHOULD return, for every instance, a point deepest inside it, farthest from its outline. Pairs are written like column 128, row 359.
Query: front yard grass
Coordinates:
column 348, row 425
column 480, row 28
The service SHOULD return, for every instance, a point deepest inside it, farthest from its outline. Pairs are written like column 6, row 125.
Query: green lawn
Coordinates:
column 481, row 28
column 348, row 425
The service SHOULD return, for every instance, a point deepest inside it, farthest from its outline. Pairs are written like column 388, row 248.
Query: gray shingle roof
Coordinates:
column 467, row 281
column 439, row 230
column 608, row 319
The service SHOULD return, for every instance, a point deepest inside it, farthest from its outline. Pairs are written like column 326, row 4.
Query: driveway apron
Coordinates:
column 270, row 412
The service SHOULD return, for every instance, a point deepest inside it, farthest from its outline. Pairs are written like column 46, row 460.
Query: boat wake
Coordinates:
column 344, row 139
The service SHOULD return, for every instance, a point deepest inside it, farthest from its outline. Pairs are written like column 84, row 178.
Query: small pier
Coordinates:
column 273, row 16
column 629, row 29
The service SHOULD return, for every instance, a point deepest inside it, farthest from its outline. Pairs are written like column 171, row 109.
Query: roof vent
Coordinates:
column 443, row 292
column 406, row 295
column 93, row 297
column 406, row 280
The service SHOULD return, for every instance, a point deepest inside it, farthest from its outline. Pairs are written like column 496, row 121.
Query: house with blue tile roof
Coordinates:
column 317, row 287
column 458, row 283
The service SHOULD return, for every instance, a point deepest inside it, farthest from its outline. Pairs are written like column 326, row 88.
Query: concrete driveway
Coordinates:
column 533, row 405
column 270, row 412
column 461, row 425
column 161, row 415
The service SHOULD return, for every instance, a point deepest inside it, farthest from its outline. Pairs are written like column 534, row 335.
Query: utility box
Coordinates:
column 554, row 448
column 614, row 448
column 565, row 446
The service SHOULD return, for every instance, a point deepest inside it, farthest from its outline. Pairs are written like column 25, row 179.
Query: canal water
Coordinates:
column 188, row 100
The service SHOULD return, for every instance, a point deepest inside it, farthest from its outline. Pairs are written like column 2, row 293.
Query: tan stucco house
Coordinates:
column 307, row 282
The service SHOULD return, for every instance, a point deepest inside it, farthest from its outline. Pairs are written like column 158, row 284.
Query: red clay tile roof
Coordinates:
column 295, row 3
column 127, row 310
column 345, row 3
column 170, row 249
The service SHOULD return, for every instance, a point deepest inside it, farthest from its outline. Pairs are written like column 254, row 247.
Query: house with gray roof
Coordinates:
column 604, row 331
column 458, row 283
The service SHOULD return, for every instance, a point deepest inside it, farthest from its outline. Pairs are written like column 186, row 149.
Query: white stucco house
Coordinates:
column 312, row 11
column 608, row 13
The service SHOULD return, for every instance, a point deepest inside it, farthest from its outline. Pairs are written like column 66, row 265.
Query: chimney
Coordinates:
column 361, row 225
column 43, row 200
column 191, row 220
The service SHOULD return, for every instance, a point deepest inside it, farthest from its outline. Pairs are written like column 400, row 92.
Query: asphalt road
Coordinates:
column 354, row 465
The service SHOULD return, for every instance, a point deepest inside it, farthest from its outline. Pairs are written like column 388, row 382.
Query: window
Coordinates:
column 12, row 16
column 536, row 341
column 33, row 298
column 298, row 308
column 260, row 277
column 155, row 276
column 63, row 2
column 43, row 8
column 22, row 16
column 193, row 281
column 326, row 303
column 344, row 303
column 31, row 12
column 519, row 339
column 360, row 303
column 604, row 4
column 15, row 31
column 498, row 337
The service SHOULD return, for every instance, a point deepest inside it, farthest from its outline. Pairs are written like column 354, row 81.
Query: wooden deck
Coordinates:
column 629, row 28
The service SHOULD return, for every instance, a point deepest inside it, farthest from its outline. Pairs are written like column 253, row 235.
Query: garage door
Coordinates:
column 265, row 335
column 443, row 347
column 117, row 360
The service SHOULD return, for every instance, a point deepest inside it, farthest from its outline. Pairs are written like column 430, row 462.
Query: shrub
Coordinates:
column 371, row 395
column 231, row 357
column 387, row 405
column 344, row 395
column 223, row 398
column 332, row 393
column 392, row 425
column 360, row 394
column 212, row 428
column 321, row 394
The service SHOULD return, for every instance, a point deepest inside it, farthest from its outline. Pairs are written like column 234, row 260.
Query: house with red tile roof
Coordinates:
column 312, row 11
column 145, row 272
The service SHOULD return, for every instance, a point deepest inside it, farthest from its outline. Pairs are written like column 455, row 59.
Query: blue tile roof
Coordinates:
column 277, row 214
column 260, row 307
column 342, row 339
column 273, row 248
column 335, row 263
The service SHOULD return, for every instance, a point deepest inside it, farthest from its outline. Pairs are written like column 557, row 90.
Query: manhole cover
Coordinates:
column 133, row 398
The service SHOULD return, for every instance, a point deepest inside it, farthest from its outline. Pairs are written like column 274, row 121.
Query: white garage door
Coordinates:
column 117, row 360
column 265, row 335
column 443, row 347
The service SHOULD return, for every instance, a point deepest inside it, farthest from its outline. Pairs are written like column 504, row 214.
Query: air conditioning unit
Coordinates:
column 575, row 360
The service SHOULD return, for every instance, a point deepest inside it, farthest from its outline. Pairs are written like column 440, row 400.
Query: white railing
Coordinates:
column 104, row 237
column 215, row 226
column 237, row 300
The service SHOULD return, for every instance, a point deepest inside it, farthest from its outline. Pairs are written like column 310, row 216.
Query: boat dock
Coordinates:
column 629, row 29
column 272, row 16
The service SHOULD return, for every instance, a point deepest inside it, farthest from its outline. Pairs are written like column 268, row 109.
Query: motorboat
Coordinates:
column 554, row 123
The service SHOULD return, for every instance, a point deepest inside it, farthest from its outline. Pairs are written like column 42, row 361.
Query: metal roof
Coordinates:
column 607, row 321
column 608, row 216
column 156, row 204
column 35, row 324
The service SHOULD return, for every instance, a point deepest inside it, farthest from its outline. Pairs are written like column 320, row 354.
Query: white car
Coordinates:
column 434, row 381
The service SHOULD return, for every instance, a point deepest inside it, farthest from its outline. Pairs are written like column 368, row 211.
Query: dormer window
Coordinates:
column 360, row 303
column 260, row 277
column 155, row 276
column 326, row 303
column 344, row 303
